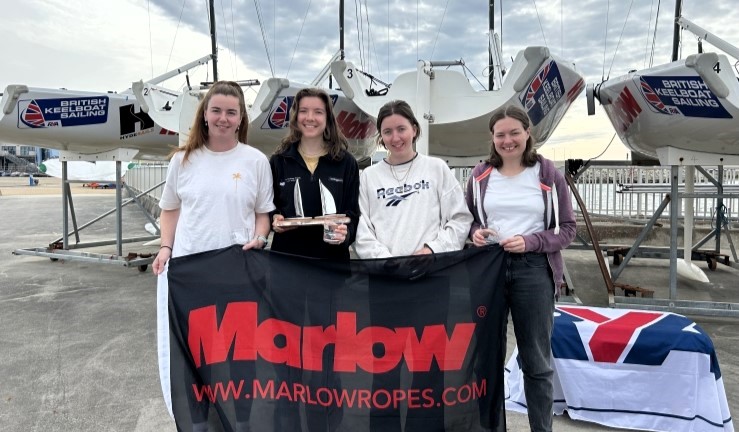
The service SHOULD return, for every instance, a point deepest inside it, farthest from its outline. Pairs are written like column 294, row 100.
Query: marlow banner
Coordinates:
column 263, row 341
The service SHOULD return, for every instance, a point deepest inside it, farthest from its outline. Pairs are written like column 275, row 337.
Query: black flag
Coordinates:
column 263, row 341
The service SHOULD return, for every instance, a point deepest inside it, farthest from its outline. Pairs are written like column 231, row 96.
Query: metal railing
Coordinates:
column 628, row 192
column 145, row 175
column 636, row 192
column 19, row 164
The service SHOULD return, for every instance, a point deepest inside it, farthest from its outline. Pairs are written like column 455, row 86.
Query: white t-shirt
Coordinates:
column 218, row 194
column 514, row 204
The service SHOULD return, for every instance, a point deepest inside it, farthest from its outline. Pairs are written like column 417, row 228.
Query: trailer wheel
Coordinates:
column 617, row 258
column 712, row 263
column 142, row 268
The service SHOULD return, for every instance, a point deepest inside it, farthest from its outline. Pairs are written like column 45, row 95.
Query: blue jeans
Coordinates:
column 529, row 292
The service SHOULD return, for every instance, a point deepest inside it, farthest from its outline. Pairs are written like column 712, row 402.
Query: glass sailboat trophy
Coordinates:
column 328, row 209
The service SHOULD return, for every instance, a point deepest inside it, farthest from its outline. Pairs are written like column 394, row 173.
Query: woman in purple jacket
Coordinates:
column 521, row 201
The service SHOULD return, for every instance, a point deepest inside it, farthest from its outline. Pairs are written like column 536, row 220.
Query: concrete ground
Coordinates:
column 78, row 341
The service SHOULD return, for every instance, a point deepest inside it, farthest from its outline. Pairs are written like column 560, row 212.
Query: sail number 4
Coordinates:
column 717, row 67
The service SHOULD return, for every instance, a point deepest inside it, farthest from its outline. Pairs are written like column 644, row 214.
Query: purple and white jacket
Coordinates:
column 558, row 215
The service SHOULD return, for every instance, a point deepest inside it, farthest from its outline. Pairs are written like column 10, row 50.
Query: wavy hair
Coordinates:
column 199, row 130
column 401, row 108
column 528, row 159
column 336, row 141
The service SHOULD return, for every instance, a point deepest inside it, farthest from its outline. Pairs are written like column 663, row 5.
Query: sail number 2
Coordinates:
column 717, row 67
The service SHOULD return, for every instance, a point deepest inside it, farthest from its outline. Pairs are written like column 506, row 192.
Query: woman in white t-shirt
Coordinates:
column 520, row 200
column 218, row 193
column 218, row 190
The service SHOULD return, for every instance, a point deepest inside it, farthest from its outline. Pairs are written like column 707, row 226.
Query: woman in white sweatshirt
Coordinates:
column 410, row 204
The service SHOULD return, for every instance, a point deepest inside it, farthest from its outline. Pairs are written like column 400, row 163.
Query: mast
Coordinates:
column 676, row 32
column 213, row 47
column 491, row 29
column 341, row 40
column 341, row 28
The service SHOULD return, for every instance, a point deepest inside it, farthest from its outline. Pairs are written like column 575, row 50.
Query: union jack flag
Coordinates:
column 530, row 98
column 33, row 116
column 653, row 98
column 280, row 116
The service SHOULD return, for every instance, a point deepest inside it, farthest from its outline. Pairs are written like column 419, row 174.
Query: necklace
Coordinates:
column 311, row 160
column 392, row 171
column 311, row 155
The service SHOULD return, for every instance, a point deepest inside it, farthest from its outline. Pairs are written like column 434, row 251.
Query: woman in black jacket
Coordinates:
column 313, row 160
column 314, row 154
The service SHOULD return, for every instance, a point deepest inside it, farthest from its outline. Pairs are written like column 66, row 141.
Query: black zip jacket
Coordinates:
column 340, row 177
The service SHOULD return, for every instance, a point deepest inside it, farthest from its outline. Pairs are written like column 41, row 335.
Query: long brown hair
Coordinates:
column 401, row 108
column 199, row 130
column 337, row 143
column 528, row 159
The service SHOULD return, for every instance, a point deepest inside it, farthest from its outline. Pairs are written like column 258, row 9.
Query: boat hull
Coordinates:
column 690, row 105
column 80, row 122
column 269, row 115
column 269, row 118
column 543, row 85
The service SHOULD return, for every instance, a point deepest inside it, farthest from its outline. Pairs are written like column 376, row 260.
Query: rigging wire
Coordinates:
column 360, row 38
column 441, row 23
column 417, row 30
column 151, row 47
column 305, row 18
column 649, row 30
column 368, row 45
column 540, row 26
column 388, row 39
column 605, row 42
column 620, row 37
column 207, row 8
column 465, row 68
column 561, row 28
column 605, row 149
column 500, row 9
column 264, row 36
column 228, row 42
column 370, row 41
column 233, row 38
column 654, row 38
column 177, row 29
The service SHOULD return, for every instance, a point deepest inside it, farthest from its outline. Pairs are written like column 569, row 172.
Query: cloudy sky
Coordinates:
column 100, row 45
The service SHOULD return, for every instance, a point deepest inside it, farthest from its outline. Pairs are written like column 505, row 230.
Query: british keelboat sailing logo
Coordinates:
column 32, row 116
column 42, row 113
column 686, row 95
column 653, row 99
column 280, row 115
column 543, row 93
